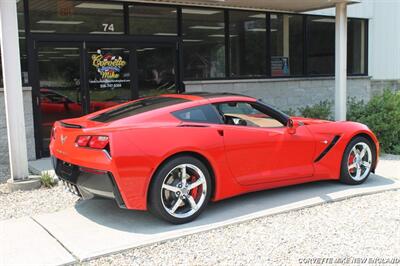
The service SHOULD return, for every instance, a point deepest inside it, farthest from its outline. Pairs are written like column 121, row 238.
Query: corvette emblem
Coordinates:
column 63, row 139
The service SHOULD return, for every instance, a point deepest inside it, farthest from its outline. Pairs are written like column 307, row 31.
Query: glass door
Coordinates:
column 109, row 76
column 58, row 87
column 156, row 69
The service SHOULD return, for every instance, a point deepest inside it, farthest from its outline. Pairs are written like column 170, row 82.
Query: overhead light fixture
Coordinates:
column 198, row 11
column 164, row 34
column 199, row 27
column 257, row 30
column 324, row 20
column 106, row 32
column 258, row 16
column 220, row 35
column 100, row 6
column 66, row 48
column 43, row 31
column 71, row 55
column 57, row 57
column 191, row 40
column 274, row 16
column 61, row 22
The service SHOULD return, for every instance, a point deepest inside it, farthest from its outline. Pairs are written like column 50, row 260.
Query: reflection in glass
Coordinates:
column 203, row 43
column 356, row 49
column 156, row 70
column 247, row 43
column 152, row 20
column 286, row 45
column 59, row 79
column 109, row 78
column 321, row 45
column 69, row 16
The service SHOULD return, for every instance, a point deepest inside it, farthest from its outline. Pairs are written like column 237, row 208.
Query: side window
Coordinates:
column 198, row 114
column 245, row 114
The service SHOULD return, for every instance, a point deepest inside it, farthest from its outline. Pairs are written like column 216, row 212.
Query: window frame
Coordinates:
column 31, row 38
column 212, row 109
column 261, row 107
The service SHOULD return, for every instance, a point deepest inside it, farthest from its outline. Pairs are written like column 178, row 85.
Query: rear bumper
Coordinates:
column 89, row 182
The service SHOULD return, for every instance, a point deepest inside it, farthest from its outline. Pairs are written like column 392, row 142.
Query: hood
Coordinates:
column 310, row 121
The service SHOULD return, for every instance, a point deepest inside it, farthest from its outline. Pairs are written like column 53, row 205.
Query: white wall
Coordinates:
column 384, row 35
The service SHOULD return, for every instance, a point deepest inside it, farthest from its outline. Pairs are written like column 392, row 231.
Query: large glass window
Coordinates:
column 68, row 16
column 203, row 43
column 247, row 43
column 286, row 45
column 152, row 20
column 321, row 45
column 356, row 46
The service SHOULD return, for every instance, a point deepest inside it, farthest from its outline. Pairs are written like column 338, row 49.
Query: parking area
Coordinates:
column 98, row 227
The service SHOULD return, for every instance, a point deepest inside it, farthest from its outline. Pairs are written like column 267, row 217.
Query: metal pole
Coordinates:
column 13, row 90
column 341, row 61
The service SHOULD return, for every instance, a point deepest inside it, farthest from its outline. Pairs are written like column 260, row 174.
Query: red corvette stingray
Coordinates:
column 172, row 154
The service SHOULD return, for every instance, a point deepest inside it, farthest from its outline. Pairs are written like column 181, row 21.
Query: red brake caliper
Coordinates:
column 351, row 159
column 194, row 192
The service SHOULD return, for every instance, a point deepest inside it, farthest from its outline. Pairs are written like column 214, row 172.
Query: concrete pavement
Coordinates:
column 98, row 227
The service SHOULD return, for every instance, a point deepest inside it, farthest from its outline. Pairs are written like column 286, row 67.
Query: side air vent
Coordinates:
column 70, row 125
column 328, row 148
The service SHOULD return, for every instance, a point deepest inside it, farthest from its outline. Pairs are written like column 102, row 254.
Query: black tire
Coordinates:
column 155, row 199
column 345, row 176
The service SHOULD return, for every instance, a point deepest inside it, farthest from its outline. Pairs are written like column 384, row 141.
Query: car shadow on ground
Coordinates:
column 106, row 213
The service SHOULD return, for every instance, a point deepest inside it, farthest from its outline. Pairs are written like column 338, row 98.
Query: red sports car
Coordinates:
column 172, row 154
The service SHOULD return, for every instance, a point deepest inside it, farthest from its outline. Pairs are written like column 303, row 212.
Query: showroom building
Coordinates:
column 81, row 56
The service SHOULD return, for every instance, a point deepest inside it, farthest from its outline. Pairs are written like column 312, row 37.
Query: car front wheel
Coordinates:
column 357, row 161
column 180, row 190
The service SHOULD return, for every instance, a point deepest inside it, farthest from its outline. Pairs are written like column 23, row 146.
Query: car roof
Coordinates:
column 211, row 96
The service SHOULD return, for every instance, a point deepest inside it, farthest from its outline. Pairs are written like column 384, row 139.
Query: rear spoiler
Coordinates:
column 70, row 125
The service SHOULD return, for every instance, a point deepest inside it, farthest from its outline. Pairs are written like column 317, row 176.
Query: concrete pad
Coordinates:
column 32, row 182
column 97, row 227
column 40, row 166
column 24, row 242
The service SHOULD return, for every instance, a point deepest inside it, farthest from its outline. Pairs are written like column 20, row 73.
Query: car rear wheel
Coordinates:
column 357, row 161
column 180, row 190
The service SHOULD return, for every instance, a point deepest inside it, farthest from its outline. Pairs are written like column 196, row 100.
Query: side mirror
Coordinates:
column 292, row 126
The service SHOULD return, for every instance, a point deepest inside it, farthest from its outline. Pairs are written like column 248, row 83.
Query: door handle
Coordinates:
column 220, row 132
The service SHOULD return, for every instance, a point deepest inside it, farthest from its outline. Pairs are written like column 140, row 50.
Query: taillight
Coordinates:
column 95, row 142
column 82, row 141
column 98, row 142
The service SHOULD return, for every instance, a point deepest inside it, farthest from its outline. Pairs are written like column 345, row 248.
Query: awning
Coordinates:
column 273, row 5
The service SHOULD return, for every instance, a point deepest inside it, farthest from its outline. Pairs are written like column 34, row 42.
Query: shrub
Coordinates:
column 355, row 109
column 321, row 110
column 48, row 180
column 382, row 115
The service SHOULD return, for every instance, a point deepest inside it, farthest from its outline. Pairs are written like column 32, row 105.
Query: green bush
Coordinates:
column 321, row 110
column 48, row 180
column 382, row 115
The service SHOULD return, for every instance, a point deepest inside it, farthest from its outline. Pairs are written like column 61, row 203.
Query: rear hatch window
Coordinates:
column 138, row 107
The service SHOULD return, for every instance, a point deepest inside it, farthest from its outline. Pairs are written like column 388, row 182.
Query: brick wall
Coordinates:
column 287, row 93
